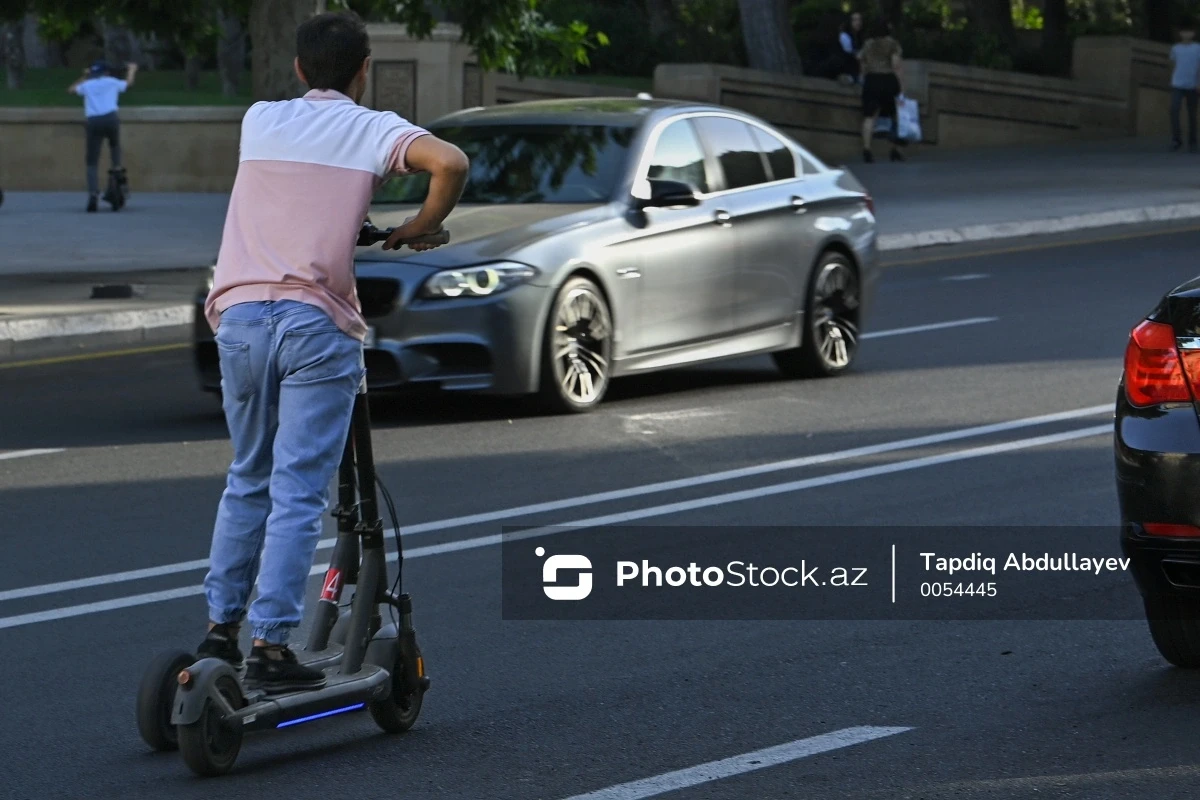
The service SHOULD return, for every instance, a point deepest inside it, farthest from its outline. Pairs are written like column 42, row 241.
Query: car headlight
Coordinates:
column 481, row 281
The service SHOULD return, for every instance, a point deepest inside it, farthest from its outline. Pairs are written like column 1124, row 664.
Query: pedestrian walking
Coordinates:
column 100, row 92
column 882, row 67
column 1185, row 59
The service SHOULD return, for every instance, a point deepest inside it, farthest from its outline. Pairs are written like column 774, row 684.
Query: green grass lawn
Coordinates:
column 48, row 87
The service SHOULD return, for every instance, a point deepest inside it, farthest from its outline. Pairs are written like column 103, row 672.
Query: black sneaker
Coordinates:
column 222, row 642
column 275, row 669
column 91, row 206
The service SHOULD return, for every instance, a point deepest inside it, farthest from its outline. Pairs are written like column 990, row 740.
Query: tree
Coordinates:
column 993, row 18
column 507, row 35
column 1055, row 40
column 14, row 49
column 767, row 30
column 231, row 49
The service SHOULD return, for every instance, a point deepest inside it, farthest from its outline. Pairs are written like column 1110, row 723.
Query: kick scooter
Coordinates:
column 203, row 709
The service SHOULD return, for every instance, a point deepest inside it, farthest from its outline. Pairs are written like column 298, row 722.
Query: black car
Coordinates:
column 1157, row 443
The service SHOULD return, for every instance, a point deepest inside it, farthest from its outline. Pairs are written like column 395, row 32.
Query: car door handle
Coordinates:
column 723, row 219
column 799, row 204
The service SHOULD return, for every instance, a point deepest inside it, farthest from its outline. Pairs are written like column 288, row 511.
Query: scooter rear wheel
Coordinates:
column 209, row 746
column 155, row 697
column 399, row 711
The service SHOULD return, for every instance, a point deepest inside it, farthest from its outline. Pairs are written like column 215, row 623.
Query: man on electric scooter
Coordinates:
column 289, row 329
column 100, row 92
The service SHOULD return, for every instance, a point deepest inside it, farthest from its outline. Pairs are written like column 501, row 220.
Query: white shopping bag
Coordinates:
column 908, row 115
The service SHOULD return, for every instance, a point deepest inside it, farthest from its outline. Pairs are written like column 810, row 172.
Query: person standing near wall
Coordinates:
column 882, row 83
column 851, row 40
column 100, row 92
column 1185, row 58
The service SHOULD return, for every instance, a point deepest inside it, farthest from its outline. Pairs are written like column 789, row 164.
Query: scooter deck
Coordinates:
column 341, row 693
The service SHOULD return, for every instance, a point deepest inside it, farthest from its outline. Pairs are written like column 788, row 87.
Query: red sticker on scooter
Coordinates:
column 333, row 585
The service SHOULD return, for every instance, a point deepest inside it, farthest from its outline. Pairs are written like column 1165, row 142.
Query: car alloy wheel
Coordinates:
column 834, row 314
column 579, row 348
column 829, row 341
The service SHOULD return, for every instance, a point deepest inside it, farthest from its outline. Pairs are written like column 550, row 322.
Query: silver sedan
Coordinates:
column 598, row 238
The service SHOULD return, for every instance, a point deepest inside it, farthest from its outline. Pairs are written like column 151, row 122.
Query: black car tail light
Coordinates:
column 1153, row 370
column 1170, row 529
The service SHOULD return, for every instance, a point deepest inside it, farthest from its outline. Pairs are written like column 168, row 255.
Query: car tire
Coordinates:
column 1175, row 629
column 576, row 362
column 829, row 341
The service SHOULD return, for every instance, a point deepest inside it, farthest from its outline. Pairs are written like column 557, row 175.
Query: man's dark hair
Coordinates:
column 880, row 28
column 331, row 48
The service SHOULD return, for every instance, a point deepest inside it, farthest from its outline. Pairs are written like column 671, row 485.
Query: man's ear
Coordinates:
column 299, row 72
column 366, row 68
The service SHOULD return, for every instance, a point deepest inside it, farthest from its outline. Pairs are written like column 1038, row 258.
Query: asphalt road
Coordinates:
column 555, row 709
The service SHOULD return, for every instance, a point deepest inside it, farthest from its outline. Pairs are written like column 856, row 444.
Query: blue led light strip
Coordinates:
column 311, row 717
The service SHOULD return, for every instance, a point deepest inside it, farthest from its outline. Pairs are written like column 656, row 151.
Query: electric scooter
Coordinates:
column 117, row 191
column 203, row 708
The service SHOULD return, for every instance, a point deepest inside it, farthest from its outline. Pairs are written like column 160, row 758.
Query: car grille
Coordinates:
column 378, row 296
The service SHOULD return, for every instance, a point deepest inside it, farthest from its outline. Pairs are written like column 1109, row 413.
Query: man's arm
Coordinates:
column 447, row 167
column 74, row 87
column 130, row 71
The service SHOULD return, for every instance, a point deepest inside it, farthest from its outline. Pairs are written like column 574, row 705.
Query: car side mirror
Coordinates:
column 665, row 194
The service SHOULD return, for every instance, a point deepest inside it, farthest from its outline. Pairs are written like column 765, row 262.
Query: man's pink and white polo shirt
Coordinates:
column 306, row 173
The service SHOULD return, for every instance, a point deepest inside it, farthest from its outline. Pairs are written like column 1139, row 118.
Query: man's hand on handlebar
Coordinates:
column 411, row 229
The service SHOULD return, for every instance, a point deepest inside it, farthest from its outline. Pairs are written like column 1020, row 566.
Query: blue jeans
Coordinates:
column 288, row 381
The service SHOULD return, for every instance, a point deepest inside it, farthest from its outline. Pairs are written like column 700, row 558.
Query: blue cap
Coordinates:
column 98, row 68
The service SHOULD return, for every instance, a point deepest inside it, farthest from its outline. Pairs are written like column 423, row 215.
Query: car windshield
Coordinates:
column 528, row 164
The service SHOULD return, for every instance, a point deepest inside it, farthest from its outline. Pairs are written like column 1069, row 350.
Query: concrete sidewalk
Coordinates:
column 53, row 253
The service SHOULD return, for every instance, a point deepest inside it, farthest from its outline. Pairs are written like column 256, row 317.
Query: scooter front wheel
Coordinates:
column 210, row 745
column 155, row 696
column 399, row 710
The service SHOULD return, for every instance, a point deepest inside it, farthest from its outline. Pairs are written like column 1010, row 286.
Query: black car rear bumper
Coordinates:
column 1158, row 481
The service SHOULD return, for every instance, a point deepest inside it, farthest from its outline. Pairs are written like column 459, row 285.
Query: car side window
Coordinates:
column 678, row 156
column 779, row 155
column 734, row 147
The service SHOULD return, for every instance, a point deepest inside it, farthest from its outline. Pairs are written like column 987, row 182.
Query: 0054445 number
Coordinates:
column 958, row 590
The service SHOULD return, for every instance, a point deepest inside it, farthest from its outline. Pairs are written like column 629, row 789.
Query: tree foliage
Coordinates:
column 507, row 35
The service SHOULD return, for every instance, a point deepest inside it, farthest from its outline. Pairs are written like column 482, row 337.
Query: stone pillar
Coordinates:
column 421, row 80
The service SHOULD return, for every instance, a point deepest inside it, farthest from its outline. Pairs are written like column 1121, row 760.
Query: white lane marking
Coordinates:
column 933, row 326
column 603, row 497
column 970, row 276
column 747, row 494
column 592, row 522
column 26, row 453
column 651, row 423
column 740, row 764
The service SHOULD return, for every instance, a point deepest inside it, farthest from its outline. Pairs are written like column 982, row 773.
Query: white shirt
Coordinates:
column 100, row 94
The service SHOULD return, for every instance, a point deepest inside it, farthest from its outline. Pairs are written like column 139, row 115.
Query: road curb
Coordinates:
column 63, row 334
column 1041, row 227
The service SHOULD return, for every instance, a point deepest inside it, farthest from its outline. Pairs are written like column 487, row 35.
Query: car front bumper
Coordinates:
column 487, row 344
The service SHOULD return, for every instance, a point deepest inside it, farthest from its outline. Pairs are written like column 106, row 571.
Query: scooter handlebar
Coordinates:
column 370, row 235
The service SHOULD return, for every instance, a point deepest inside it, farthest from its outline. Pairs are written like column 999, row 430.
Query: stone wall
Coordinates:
column 164, row 149
column 1116, row 91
